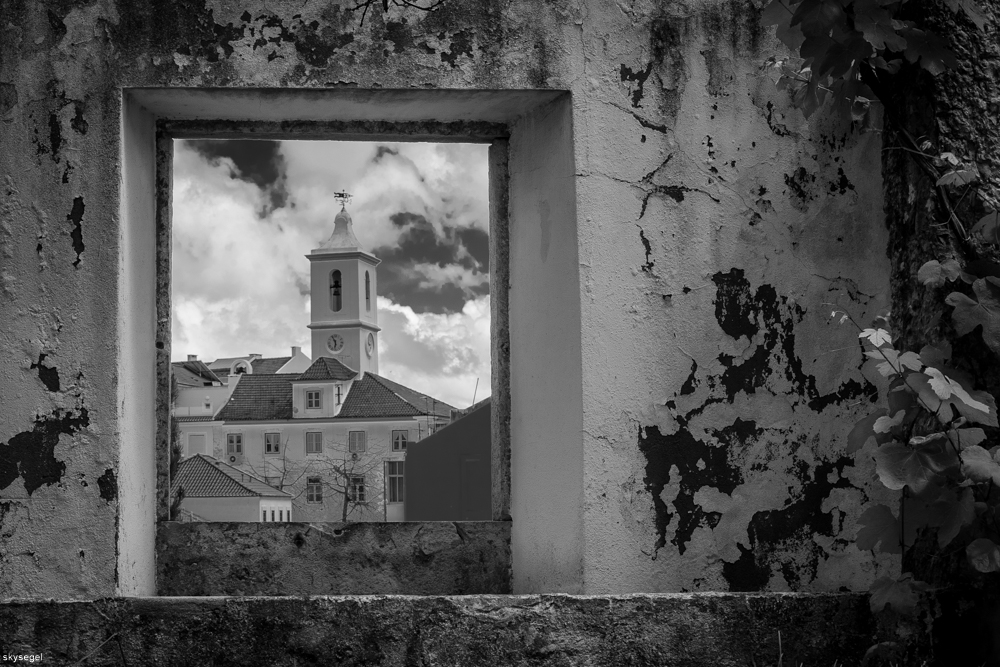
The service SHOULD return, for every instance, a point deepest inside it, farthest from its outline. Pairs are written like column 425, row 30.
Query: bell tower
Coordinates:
column 343, row 310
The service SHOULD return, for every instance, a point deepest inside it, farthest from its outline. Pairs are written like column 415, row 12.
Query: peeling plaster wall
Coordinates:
column 713, row 223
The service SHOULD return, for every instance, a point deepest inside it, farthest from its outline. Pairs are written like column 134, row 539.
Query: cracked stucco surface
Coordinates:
column 703, row 202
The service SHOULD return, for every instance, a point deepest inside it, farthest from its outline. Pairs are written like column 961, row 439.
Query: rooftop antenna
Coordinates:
column 343, row 197
column 476, row 391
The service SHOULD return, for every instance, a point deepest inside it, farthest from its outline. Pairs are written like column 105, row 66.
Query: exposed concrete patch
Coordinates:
column 30, row 455
column 75, row 218
column 437, row 558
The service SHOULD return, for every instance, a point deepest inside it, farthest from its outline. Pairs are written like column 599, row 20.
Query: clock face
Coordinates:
column 370, row 345
column 335, row 343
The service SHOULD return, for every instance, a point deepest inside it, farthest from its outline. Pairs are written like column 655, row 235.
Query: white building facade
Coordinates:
column 329, row 431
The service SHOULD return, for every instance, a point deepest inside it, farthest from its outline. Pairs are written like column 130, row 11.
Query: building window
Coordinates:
column 314, row 443
column 234, row 443
column 263, row 515
column 272, row 515
column 399, row 440
column 272, row 443
column 368, row 292
column 314, row 400
column 339, row 394
column 356, row 490
column 336, row 303
column 357, row 442
column 281, row 515
column 314, row 489
column 395, row 482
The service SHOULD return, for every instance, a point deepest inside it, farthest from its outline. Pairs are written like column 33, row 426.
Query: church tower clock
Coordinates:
column 343, row 313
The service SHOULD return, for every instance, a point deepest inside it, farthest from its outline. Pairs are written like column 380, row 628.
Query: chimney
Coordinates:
column 296, row 350
column 192, row 357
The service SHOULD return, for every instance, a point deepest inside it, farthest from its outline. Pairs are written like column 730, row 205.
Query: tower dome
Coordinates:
column 343, row 233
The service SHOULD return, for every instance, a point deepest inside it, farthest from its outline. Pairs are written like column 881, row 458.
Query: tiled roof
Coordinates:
column 193, row 373
column 189, row 418
column 374, row 396
column 260, row 398
column 424, row 403
column 327, row 368
column 204, row 477
column 224, row 363
column 268, row 366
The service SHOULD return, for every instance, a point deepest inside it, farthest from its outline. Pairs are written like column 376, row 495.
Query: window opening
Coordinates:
column 399, row 439
column 426, row 292
column 356, row 490
column 314, row 490
column 395, row 481
column 358, row 442
column 336, row 303
column 314, row 400
column 314, row 443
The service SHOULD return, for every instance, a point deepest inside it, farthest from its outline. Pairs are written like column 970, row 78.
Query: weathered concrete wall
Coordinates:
column 712, row 224
column 333, row 559
column 683, row 630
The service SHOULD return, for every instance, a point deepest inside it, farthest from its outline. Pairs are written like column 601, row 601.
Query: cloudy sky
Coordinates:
column 245, row 214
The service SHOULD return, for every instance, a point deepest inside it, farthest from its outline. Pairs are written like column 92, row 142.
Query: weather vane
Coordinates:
column 343, row 197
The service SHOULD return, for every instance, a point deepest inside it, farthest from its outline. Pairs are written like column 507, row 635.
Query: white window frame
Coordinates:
column 310, row 395
column 339, row 394
column 234, row 444
column 395, row 481
column 357, row 483
column 317, row 447
column 314, row 490
column 272, row 448
column 404, row 435
column 357, row 442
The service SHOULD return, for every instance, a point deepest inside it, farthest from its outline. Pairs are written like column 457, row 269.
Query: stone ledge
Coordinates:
column 719, row 629
column 430, row 558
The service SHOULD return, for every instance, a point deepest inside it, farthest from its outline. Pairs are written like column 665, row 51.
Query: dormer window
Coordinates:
column 336, row 303
column 368, row 292
column 314, row 400
column 339, row 394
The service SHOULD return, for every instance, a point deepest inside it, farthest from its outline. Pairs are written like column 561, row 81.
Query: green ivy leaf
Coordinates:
column 885, row 424
column 876, row 337
column 968, row 437
column 900, row 465
column 945, row 387
column 859, row 435
column 818, row 16
column 879, row 524
column 955, row 513
column 958, row 177
column 932, row 51
column 985, row 310
column 935, row 274
column 979, row 466
column 877, row 26
column 936, row 355
column 900, row 594
column 984, row 555
column 987, row 229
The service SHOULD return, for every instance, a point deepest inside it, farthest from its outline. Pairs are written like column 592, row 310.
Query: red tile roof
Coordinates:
column 374, row 396
column 269, row 397
column 268, row 366
column 204, row 477
column 328, row 368
column 260, row 398
column 196, row 418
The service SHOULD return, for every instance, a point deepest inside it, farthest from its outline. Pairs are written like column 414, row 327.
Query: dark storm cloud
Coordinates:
column 420, row 243
column 257, row 161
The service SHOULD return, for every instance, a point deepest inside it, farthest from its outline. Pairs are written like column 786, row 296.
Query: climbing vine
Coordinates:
column 933, row 429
